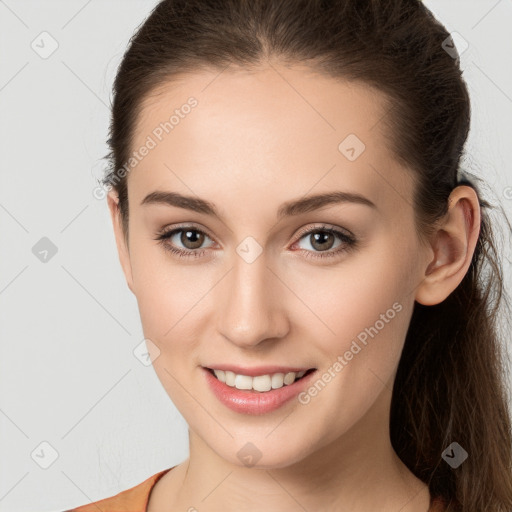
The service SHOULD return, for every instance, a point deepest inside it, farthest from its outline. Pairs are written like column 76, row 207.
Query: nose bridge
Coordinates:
column 251, row 309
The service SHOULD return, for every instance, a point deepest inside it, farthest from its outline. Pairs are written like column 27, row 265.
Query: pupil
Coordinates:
column 322, row 236
column 192, row 237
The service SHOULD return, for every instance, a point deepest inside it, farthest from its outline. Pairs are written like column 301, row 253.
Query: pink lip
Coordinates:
column 254, row 402
column 257, row 370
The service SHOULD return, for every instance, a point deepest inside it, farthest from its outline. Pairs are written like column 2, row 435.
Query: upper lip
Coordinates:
column 258, row 370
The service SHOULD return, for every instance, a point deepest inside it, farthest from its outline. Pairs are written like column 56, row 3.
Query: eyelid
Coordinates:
column 303, row 231
column 349, row 241
column 324, row 227
column 183, row 226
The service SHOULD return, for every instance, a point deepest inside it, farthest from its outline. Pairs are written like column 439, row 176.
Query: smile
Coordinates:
column 249, row 399
column 259, row 383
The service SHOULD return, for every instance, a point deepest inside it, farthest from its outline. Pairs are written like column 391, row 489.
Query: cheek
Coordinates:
column 346, row 300
column 166, row 290
column 173, row 317
column 365, row 306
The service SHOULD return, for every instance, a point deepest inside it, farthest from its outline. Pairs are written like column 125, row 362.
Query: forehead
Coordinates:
column 288, row 129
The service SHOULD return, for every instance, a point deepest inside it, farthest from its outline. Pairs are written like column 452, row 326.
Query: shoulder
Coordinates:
column 134, row 499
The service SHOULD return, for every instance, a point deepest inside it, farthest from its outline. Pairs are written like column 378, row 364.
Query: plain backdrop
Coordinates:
column 81, row 417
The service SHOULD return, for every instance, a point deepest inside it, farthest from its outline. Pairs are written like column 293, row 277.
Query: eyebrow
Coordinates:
column 287, row 209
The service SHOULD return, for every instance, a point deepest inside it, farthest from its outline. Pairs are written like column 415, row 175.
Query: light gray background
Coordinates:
column 69, row 326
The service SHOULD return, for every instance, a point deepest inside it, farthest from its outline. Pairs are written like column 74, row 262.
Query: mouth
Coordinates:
column 259, row 383
column 258, row 394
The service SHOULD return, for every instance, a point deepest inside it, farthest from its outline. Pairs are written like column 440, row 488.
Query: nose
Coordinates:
column 251, row 308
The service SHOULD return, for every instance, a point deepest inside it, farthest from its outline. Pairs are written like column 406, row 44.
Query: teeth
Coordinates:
column 277, row 380
column 260, row 383
column 243, row 382
column 221, row 375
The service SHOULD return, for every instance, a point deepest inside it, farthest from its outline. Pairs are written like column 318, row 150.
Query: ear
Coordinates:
column 122, row 249
column 453, row 245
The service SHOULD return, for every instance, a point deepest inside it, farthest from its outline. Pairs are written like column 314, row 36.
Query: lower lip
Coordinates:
column 255, row 402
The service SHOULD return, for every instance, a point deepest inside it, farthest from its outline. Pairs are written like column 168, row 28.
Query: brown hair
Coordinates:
column 450, row 383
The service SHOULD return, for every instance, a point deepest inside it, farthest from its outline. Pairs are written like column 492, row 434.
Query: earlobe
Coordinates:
column 453, row 246
column 122, row 249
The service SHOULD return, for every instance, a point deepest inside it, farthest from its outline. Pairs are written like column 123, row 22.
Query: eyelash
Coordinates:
column 348, row 242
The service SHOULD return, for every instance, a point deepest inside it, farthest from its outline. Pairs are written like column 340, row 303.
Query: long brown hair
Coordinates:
column 450, row 383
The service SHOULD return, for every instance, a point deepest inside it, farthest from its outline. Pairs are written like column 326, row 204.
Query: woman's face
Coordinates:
column 256, row 284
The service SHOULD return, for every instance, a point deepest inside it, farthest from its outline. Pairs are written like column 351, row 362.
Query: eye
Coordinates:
column 190, row 237
column 322, row 238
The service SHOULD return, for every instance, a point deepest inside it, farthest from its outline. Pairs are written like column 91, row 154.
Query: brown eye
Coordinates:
column 185, row 242
column 322, row 240
column 192, row 238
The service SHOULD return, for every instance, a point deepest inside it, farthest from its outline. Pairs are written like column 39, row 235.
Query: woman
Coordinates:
column 363, row 375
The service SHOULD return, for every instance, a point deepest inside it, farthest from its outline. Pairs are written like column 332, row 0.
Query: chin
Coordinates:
column 261, row 453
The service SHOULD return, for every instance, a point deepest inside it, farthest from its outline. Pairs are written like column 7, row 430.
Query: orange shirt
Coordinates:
column 136, row 499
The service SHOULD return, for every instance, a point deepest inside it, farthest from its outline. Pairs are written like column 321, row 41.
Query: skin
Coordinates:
column 255, row 141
